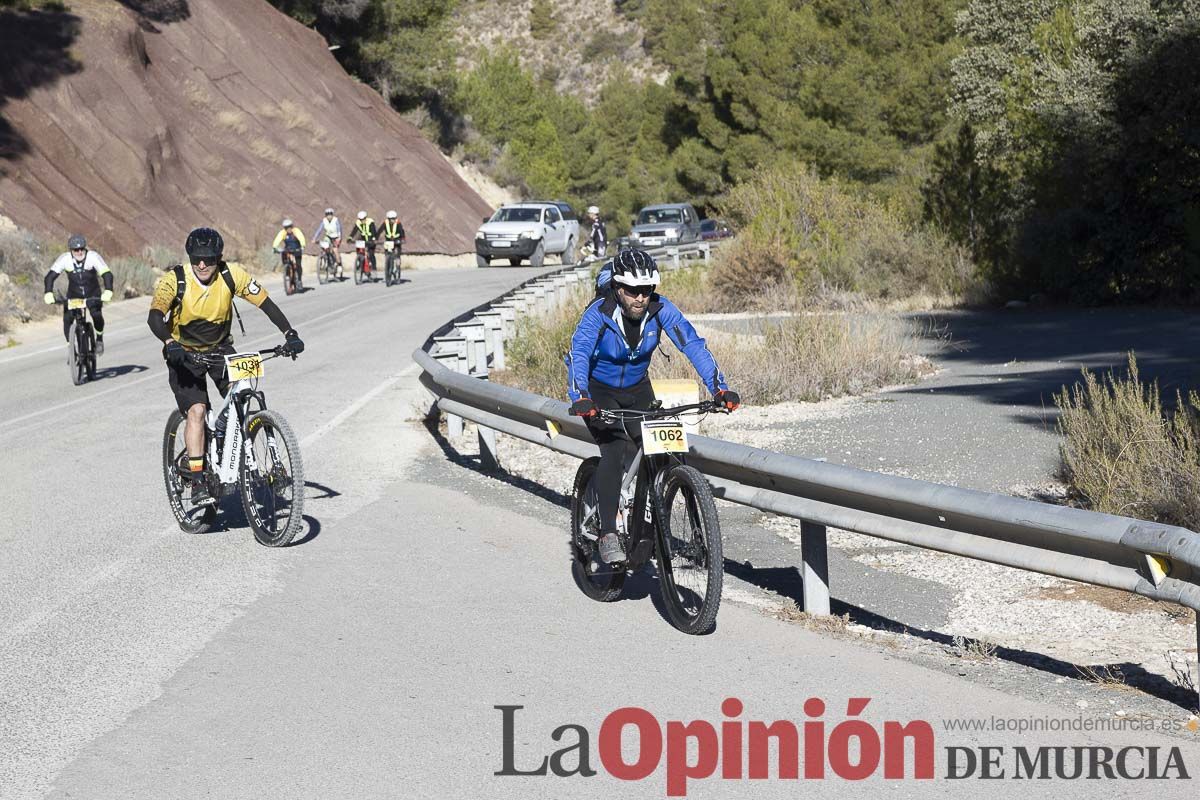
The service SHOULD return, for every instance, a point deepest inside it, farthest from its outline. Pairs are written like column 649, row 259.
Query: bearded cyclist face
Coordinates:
column 634, row 300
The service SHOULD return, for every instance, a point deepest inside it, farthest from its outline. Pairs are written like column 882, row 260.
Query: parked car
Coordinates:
column 714, row 229
column 665, row 225
column 529, row 230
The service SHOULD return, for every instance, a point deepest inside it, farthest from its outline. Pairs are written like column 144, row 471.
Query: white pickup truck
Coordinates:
column 529, row 230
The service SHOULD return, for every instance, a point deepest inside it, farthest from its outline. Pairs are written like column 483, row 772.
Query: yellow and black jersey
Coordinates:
column 203, row 318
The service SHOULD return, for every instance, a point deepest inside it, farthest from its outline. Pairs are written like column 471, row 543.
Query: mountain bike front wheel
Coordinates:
column 690, row 558
column 606, row 583
column 272, row 480
column 358, row 269
column 174, row 459
column 76, row 354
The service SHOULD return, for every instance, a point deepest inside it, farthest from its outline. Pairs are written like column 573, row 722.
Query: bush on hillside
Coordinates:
column 815, row 234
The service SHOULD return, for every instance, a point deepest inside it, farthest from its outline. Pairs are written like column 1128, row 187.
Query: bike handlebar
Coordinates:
column 210, row 359
column 619, row 414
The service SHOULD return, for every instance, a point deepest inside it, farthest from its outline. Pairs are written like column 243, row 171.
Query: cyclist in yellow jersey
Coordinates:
column 364, row 228
column 192, row 311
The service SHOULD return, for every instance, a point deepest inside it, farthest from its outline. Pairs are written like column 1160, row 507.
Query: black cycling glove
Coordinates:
column 584, row 407
column 174, row 353
column 294, row 344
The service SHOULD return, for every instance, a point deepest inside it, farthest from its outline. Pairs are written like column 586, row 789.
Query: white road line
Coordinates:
column 53, row 409
column 358, row 404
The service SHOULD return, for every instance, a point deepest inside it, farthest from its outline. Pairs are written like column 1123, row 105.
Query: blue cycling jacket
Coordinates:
column 599, row 350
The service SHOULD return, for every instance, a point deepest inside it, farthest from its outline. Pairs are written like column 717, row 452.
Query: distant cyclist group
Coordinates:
column 368, row 235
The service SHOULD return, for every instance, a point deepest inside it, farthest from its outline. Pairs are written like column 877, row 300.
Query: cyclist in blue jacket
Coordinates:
column 608, row 366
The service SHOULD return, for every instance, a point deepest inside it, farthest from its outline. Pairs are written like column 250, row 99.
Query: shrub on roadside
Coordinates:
column 808, row 234
column 1124, row 454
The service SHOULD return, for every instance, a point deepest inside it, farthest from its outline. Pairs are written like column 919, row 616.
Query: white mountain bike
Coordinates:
column 247, row 447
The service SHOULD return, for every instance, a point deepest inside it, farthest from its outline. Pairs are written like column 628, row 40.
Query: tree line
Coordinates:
column 1049, row 138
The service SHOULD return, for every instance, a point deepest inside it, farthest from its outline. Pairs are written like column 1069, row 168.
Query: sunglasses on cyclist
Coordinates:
column 78, row 249
column 637, row 291
column 206, row 260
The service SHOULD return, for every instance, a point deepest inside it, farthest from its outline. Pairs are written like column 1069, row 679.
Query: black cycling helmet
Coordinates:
column 635, row 268
column 204, row 243
column 77, row 242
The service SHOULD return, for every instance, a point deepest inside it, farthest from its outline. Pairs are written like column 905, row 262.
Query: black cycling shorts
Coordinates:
column 189, row 383
column 638, row 396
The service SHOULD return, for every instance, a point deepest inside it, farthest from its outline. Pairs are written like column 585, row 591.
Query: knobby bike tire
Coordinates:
column 686, row 492
column 76, row 353
column 195, row 520
column 606, row 585
column 358, row 269
column 289, row 280
column 90, row 342
column 270, row 528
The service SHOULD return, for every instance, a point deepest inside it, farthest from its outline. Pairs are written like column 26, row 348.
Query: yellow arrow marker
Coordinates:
column 552, row 429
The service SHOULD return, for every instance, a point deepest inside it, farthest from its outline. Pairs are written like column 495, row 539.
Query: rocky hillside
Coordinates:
column 133, row 121
column 577, row 45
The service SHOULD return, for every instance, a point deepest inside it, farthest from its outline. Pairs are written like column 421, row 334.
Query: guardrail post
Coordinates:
column 489, row 458
column 493, row 327
column 508, row 318
column 814, row 551
column 475, row 335
column 674, row 252
column 706, row 249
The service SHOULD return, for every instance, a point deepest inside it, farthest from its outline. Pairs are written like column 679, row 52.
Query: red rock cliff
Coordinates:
column 133, row 122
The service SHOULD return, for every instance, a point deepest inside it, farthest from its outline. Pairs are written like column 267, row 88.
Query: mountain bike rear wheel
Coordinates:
column 289, row 279
column 606, row 584
column 174, row 455
column 272, row 480
column 690, row 559
column 358, row 269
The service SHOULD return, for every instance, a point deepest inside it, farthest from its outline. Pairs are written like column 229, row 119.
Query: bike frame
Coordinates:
column 228, row 460
column 654, row 467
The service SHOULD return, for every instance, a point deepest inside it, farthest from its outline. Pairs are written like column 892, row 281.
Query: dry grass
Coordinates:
column 972, row 649
column 1104, row 675
column 1124, row 454
column 234, row 121
column 821, row 623
column 803, row 358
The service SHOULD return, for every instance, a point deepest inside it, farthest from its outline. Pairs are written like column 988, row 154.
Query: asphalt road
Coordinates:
column 367, row 660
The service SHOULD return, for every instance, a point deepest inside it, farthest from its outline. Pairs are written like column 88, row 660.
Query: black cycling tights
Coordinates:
column 94, row 306
column 613, row 438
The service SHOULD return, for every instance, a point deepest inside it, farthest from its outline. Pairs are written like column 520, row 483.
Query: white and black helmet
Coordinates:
column 329, row 211
column 634, row 268
column 391, row 215
column 593, row 210
column 362, row 215
column 287, row 223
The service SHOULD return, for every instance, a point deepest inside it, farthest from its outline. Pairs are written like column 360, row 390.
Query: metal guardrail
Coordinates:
column 1160, row 562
